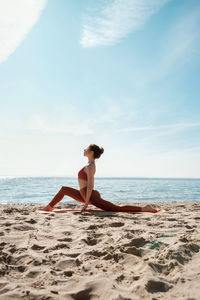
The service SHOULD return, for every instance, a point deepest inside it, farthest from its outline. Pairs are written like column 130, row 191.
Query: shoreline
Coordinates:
column 100, row 255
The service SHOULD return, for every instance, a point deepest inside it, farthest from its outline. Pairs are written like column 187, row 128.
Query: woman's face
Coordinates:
column 86, row 151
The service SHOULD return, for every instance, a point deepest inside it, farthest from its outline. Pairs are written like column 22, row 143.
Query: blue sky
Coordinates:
column 122, row 74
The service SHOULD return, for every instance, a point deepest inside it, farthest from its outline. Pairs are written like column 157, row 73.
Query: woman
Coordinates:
column 87, row 194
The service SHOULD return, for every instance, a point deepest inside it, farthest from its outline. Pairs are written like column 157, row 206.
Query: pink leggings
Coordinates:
column 95, row 199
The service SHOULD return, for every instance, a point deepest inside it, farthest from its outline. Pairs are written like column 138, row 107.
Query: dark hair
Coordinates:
column 97, row 151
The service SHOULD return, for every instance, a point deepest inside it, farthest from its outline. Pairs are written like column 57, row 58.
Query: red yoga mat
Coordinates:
column 95, row 210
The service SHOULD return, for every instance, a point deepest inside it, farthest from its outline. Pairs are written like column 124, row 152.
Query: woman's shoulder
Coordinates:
column 90, row 166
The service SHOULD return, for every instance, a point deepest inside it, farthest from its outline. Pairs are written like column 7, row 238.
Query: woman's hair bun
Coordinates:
column 97, row 150
column 102, row 150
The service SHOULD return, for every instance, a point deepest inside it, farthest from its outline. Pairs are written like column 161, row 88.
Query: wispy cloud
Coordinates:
column 114, row 110
column 40, row 123
column 179, row 46
column 152, row 139
column 54, row 122
column 116, row 20
column 174, row 127
column 16, row 19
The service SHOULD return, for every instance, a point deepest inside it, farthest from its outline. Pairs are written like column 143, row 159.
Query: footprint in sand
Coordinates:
column 65, row 240
column 128, row 236
column 57, row 247
column 154, row 286
column 68, row 273
column 90, row 241
column 120, row 278
column 31, row 221
column 83, row 294
column 73, row 254
column 97, row 226
column 116, row 224
column 8, row 224
column 66, row 263
column 136, row 277
column 21, row 268
column 3, row 284
column 132, row 250
column 2, row 244
column 93, row 227
column 183, row 253
column 163, row 268
column 3, row 291
column 38, row 262
column 12, row 249
column 37, row 247
column 23, row 227
column 96, row 253
column 97, row 235
column 32, row 274
column 184, row 239
column 137, row 242
column 115, row 256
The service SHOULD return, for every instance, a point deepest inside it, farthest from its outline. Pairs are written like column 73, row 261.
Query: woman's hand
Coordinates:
column 84, row 208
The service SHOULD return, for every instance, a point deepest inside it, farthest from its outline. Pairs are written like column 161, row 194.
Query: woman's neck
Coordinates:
column 91, row 161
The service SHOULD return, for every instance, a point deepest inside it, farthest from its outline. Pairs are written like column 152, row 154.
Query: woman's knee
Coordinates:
column 65, row 189
column 62, row 188
column 97, row 194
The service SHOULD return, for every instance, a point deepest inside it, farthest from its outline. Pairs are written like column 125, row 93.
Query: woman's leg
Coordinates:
column 65, row 191
column 96, row 200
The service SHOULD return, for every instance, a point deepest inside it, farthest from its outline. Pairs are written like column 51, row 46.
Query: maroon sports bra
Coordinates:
column 82, row 174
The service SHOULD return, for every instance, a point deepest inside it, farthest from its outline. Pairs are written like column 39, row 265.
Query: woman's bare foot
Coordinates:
column 46, row 208
column 149, row 208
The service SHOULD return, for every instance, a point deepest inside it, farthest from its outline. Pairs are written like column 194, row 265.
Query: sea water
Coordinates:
column 41, row 190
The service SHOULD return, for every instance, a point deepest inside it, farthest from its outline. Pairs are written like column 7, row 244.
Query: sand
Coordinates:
column 105, row 256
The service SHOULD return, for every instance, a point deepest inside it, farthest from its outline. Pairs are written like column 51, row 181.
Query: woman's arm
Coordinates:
column 88, row 195
column 90, row 170
column 90, row 175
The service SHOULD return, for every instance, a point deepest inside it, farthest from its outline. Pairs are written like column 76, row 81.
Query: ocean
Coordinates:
column 40, row 190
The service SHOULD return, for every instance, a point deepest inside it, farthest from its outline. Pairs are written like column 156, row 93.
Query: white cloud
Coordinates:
column 178, row 126
column 180, row 42
column 159, row 140
column 119, row 18
column 40, row 123
column 17, row 17
column 112, row 111
column 179, row 46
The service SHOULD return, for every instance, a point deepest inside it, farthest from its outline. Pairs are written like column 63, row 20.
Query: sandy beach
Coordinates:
column 104, row 256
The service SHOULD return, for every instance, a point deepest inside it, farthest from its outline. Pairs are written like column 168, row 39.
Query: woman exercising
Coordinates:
column 87, row 194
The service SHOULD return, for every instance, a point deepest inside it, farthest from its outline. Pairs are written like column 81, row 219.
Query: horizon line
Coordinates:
column 107, row 177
